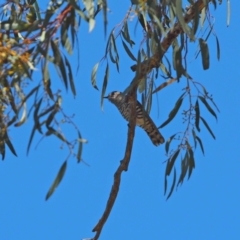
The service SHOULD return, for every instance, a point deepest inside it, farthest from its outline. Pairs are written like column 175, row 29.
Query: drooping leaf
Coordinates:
column 51, row 130
column 125, row 34
column 9, row 144
column 80, row 147
column 208, row 128
column 57, row 180
column 59, row 62
column 200, row 143
column 173, row 184
column 191, row 162
column 128, row 51
column 177, row 61
column 31, row 138
column 94, row 75
column 228, row 12
column 2, row 149
column 171, row 162
column 103, row 6
column 164, row 84
column 70, row 76
column 179, row 14
column 165, row 184
column 35, row 116
column 23, row 118
column 196, row 19
column 184, row 168
column 208, row 106
column 194, row 138
column 197, row 115
column 204, row 53
column 218, row 48
column 105, row 82
column 167, row 144
column 174, row 111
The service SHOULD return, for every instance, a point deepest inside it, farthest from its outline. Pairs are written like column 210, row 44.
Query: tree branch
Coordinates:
column 122, row 167
column 153, row 62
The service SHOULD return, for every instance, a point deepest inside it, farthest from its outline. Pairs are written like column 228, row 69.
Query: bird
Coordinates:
column 143, row 120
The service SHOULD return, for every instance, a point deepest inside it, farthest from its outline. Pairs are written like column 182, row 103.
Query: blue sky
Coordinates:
column 205, row 207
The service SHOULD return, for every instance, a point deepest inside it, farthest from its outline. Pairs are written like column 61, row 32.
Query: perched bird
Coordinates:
column 143, row 120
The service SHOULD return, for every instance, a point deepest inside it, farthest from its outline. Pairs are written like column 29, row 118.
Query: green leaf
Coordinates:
column 218, row 48
column 105, row 82
column 57, row 180
column 31, row 138
column 177, row 61
column 94, row 75
column 103, row 6
column 167, row 144
column 80, row 147
column 125, row 34
column 179, row 14
column 59, row 62
column 197, row 116
column 23, row 118
column 194, row 138
column 51, row 130
column 173, row 184
column 64, row 35
column 2, row 149
column 9, row 144
column 200, row 143
column 184, row 168
column 196, row 19
column 191, row 162
column 208, row 106
column 208, row 128
column 165, row 184
column 228, row 12
column 70, row 76
column 128, row 51
column 204, row 53
column 171, row 162
column 174, row 111
column 36, row 118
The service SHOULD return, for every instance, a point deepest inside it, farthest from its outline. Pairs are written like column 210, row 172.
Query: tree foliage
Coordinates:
column 32, row 40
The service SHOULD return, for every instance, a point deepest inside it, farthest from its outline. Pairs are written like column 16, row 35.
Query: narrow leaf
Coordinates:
column 70, row 76
column 94, row 75
column 165, row 184
column 173, row 184
column 204, row 53
column 197, row 116
column 80, row 147
column 167, row 145
column 9, row 144
column 57, row 180
column 128, row 51
column 218, row 48
column 208, row 106
column 200, row 143
column 184, row 168
column 171, row 162
column 174, row 111
column 179, row 12
column 191, row 162
column 208, row 128
column 105, row 82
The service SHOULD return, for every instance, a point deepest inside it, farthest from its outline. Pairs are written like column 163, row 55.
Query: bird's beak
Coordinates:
column 105, row 97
